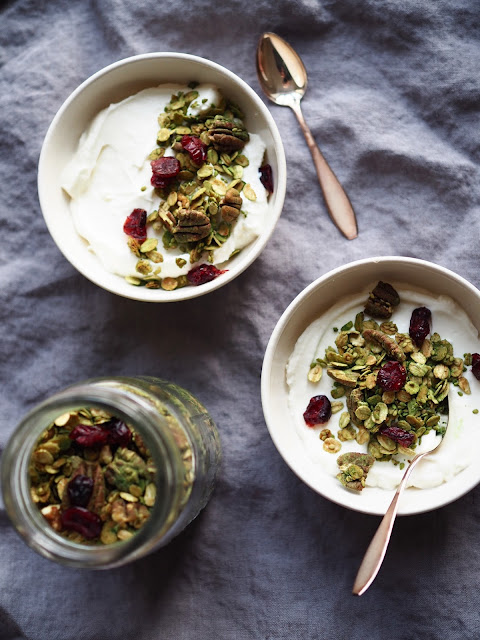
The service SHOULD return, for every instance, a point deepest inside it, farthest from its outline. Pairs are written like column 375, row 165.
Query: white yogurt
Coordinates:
column 462, row 439
column 105, row 178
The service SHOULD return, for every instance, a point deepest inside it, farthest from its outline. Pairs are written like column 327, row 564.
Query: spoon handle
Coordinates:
column 338, row 204
column 377, row 548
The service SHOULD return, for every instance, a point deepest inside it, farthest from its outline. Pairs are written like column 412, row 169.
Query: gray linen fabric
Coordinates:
column 393, row 101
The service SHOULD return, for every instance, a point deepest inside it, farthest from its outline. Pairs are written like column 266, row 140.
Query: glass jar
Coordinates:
column 173, row 425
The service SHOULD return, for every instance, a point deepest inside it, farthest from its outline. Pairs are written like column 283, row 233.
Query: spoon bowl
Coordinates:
column 283, row 78
column 281, row 71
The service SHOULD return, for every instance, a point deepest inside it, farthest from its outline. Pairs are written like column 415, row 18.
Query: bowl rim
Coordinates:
column 184, row 293
column 269, row 360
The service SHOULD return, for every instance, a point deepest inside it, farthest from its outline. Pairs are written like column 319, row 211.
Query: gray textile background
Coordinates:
column 393, row 101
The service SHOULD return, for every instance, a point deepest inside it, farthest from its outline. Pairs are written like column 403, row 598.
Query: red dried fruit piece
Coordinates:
column 319, row 411
column 266, row 177
column 87, row 435
column 404, row 438
column 136, row 224
column 163, row 170
column 204, row 273
column 420, row 325
column 392, row 376
column 80, row 489
column 117, row 432
column 196, row 149
column 113, row 432
column 83, row 521
column 476, row 365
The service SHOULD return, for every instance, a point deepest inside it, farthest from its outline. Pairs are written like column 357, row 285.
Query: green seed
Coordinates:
column 164, row 134
column 149, row 245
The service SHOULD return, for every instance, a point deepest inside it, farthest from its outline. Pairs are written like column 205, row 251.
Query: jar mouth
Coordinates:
column 25, row 514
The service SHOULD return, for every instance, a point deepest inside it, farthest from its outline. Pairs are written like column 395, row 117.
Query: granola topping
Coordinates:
column 396, row 392
column 93, row 479
column 170, row 174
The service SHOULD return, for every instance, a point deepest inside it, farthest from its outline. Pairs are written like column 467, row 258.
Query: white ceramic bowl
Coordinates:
column 310, row 304
column 112, row 84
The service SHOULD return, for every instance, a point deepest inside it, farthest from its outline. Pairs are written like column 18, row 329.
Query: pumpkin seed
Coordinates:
column 219, row 187
column 248, row 191
column 163, row 135
column 149, row 245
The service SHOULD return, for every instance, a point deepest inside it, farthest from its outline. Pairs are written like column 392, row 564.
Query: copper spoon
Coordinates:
column 283, row 78
column 377, row 548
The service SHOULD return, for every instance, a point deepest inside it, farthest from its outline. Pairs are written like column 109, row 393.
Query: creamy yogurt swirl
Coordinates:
column 109, row 176
column 462, row 438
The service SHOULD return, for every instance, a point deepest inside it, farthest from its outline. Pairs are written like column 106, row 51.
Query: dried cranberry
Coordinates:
column 476, row 365
column 163, row 170
column 266, row 177
column 196, row 149
column 117, row 432
column 80, row 489
column 396, row 433
column 136, row 224
column 420, row 325
column 83, row 521
column 89, row 435
column 204, row 273
column 392, row 376
column 319, row 411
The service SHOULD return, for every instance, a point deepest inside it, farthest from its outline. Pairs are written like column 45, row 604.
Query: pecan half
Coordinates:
column 387, row 342
column 227, row 136
column 191, row 226
column 381, row 301
column 230, row 205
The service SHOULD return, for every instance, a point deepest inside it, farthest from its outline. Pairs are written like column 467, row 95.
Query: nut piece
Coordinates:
column 386, row 292
column 191, row 226
column 231, row 205
column 227, row 136
column 168, row 219
column 391, row 347
column 52, row 516
column 378, row 308
column 382, row 300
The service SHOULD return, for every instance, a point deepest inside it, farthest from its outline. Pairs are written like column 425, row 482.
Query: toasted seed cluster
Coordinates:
column 201, row 204
column 354, row 468
column 388, row 422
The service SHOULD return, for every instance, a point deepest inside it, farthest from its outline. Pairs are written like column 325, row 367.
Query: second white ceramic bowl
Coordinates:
column 309, row 305
column 112, row 84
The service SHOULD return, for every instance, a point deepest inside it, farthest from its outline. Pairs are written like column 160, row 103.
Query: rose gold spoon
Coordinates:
column 372, row 561
column 283, row 78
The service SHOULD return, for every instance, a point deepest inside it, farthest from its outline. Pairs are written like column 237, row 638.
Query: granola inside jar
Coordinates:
column 109, row 469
